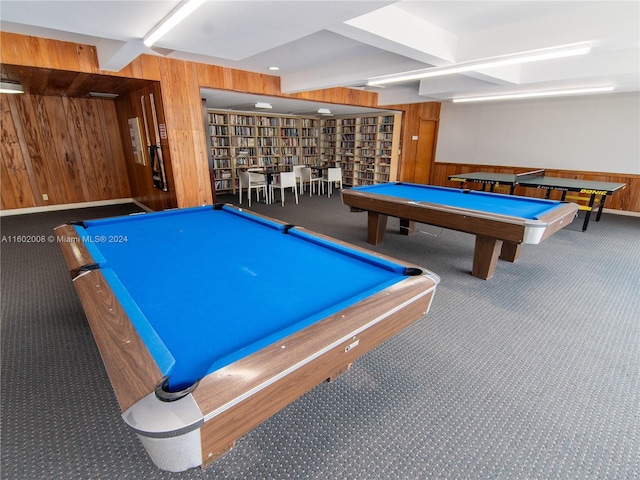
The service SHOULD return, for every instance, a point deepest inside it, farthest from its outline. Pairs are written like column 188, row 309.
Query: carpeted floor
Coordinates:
column 534, row 374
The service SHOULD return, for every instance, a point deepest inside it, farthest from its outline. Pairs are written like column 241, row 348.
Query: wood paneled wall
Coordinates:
column 68, row 149
column 412, row 115
column 140, row 176
column 179, row 85
column 627, row 199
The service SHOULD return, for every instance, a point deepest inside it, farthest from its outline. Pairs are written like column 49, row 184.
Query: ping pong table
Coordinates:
column 596, row 190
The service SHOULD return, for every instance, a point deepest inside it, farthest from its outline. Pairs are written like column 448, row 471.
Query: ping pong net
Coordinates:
column 523, row 176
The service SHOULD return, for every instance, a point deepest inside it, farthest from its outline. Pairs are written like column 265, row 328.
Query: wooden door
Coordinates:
column 424, row 155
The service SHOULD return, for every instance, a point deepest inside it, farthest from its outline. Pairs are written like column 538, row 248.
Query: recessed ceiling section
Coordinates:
column 117, row 20
column 323, row 44
column 409, row 33
column 236, row 30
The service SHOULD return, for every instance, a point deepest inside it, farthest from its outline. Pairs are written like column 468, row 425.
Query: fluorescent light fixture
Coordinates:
column 181, row 12
column 500, row 61
column 263, row 105
column 324, row 111
column 540, row 93
column 103, row 95
column 8, row 86
column 274, row 68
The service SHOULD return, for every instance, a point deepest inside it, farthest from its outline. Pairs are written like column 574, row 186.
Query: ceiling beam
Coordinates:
column 114, row 55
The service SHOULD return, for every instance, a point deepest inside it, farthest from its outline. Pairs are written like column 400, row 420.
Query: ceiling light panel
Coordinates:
column 185, row 9
column 538, row 94
column 500, row 61
column 7, row 86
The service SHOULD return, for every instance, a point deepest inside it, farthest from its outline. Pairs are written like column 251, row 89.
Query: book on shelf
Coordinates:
column 219, row 141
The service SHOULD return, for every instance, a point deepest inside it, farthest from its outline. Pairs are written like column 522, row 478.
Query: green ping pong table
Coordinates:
column 597, row 191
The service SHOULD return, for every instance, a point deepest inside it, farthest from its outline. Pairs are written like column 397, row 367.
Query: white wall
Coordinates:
column 598, row 133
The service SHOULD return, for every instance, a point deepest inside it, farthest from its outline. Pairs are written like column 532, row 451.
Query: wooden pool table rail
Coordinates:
column 132, row 370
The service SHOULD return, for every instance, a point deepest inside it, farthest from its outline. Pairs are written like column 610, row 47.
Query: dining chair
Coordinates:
column 307, row 177
column 334, row 175
column 252, row 181
column 286, row 180
column 296, row 169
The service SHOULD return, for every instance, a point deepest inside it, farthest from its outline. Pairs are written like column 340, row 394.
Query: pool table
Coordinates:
column 501, row 223
column 211, row 319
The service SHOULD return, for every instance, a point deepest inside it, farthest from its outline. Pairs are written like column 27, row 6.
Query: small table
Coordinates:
column 269, row 172
column 501, row 223
column 319, row 168
column 597, row 191
column 204, row 336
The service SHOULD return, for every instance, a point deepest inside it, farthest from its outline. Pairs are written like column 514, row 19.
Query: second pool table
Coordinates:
column 207, row 324
column 501, row 223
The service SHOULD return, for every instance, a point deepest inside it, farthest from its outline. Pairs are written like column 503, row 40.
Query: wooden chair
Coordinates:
column 286, row 180
column 255, row 181
column 334, row 175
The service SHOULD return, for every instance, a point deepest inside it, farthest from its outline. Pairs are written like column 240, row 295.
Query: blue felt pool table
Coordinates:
column 501, row 223
column 207, row 324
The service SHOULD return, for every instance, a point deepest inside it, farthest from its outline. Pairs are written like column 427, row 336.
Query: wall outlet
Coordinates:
column 45, row 196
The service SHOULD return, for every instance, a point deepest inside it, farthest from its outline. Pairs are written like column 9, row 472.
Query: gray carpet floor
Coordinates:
column 534, row 374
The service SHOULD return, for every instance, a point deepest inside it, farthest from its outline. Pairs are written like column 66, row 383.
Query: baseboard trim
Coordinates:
column 621, row 212
column 69, row 206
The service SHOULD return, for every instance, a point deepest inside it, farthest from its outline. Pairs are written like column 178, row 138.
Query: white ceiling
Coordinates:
column 321, row 44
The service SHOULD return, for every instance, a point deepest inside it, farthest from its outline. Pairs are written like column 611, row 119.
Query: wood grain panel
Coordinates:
column 101, row 179
column 211, row 76
column 149, row 66
column 20, row 48
column 15, row 191
column 130, row 106
column 181, row 109
column 27, row 111
column 114, row 147
column 48, row 81
column 412, row 116
column 66, row 148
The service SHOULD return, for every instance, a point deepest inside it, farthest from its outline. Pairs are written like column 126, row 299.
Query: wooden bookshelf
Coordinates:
column 365, row 147
column 328, row 140
column 239, row 141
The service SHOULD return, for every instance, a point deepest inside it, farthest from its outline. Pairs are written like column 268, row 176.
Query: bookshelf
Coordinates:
column 220, row 147
column 245, row 140
column 365, row 147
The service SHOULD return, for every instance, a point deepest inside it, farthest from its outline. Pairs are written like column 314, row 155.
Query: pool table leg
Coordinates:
column 407, row 227
column 376, row 226
column 485, row 256
column 510, row 251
